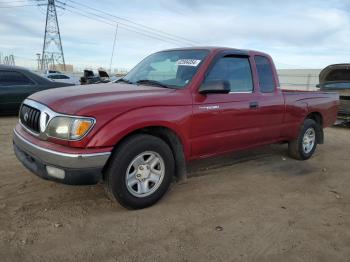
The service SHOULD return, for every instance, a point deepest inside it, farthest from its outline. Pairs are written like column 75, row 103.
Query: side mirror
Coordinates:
column 318, row 86
column 215, row 87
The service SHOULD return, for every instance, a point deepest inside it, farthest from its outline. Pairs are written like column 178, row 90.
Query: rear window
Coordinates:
column 265, row 74
column 8, row 78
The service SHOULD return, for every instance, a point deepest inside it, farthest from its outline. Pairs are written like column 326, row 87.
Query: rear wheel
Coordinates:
column 140, row 171
column 305, row 144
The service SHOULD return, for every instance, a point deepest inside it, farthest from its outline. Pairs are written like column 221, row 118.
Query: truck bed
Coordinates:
column 325, row 103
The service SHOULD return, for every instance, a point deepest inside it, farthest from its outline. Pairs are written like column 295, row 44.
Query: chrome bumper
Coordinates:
column 47, row 156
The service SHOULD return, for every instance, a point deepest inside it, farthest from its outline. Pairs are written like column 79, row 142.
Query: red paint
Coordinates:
column 121, row 109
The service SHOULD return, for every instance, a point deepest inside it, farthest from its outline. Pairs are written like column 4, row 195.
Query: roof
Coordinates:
column 215, row 48
column 8, row 67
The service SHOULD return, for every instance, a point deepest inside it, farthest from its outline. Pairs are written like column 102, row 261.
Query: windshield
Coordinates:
column 168, row 68
column 338, row 85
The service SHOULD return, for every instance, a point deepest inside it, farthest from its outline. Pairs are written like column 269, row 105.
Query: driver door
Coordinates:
column 225, row 122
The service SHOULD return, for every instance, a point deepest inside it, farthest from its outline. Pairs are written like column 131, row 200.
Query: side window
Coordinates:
column 14, row 78
column 265, row 74
column 235, row 70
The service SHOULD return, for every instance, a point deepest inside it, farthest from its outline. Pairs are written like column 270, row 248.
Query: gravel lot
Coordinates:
column 254, row 206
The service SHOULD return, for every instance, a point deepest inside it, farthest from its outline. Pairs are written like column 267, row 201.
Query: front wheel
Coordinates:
column 140, row 171
column 304, row 145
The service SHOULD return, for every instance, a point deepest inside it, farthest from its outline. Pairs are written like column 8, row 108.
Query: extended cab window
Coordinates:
column 8, row 78
column 235, row 70
column 265, row 74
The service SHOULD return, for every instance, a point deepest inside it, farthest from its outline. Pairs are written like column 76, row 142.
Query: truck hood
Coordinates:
column 90, row 100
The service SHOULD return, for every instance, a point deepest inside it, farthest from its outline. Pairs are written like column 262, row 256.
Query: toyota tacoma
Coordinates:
column 137, row 134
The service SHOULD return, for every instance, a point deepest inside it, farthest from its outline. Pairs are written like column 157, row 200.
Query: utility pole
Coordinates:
column 115, row 39
column 39, row 60
column 52, row 48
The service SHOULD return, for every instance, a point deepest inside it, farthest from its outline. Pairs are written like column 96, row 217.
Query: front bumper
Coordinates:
column 78, row 168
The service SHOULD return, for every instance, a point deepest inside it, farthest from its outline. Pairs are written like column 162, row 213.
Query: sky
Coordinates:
column 297, row 34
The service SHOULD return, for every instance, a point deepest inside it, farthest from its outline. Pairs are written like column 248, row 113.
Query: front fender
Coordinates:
column 175, row 118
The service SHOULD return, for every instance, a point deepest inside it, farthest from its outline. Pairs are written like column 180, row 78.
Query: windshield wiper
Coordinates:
column 152, row 82
column 123, row 80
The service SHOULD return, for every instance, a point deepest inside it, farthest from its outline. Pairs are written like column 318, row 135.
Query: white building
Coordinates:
column 299, row 79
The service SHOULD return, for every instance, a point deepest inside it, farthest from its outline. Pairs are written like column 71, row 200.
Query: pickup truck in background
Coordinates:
column 94, row 77
column 175, row 106
column 336, row 78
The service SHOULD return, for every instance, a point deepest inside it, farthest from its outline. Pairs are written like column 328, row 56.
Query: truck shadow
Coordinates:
column 275, row 156
column 342, row 125
column 201, row 167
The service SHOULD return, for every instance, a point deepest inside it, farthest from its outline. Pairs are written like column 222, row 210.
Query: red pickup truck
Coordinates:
column 138, row 133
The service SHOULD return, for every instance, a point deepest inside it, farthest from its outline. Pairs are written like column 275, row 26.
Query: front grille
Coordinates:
column 30, row 118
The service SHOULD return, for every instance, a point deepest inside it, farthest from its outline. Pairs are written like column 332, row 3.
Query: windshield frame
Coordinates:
column 206, row 55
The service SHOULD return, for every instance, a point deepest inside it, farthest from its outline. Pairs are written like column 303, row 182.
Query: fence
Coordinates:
column 299, row 79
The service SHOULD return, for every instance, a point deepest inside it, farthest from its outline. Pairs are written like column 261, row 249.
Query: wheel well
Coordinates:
column 173, row 141
column 317, row 117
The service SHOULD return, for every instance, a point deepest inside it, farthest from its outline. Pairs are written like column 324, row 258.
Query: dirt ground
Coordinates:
column 259, row 205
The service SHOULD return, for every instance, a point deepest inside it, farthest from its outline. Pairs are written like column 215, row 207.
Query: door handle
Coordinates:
column 253, row 104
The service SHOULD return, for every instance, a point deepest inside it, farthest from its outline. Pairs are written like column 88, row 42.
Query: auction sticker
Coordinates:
column 188, row 62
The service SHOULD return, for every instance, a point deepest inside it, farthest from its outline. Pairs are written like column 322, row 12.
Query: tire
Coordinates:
column 140, row 171
column 297, row 148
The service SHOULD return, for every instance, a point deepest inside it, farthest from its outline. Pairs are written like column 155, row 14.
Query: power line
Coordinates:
column 114, row 24
column 126, row 26
column 131, row 28
column 105, row 20
column 135, row 23
column 137, row 28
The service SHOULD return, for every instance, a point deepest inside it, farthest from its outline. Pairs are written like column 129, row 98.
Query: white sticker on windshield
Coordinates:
column 188, row 62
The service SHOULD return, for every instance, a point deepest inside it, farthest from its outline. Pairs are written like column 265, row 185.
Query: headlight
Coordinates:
column 69, row 128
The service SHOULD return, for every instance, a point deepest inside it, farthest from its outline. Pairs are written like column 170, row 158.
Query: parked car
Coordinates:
column 17, row 83
column 59, row 77
column 94, row 77
column 336, row 78
column 50, row 71
column 175, row 106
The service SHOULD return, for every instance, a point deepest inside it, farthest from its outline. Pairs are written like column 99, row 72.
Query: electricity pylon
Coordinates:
column 52, row 48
